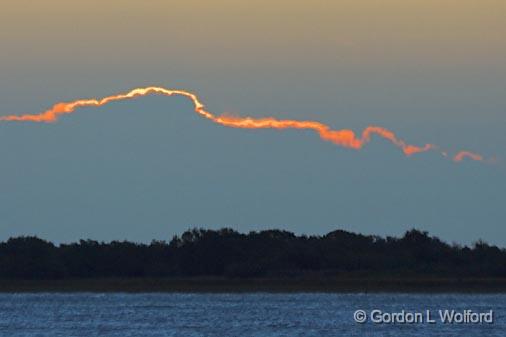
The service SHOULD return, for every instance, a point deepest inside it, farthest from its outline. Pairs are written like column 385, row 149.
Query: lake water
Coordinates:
column 256, row 314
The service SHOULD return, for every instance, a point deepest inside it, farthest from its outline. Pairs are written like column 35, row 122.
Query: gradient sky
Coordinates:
column 432, row 71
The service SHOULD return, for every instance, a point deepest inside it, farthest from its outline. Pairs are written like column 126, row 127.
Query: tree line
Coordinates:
column 269, row 253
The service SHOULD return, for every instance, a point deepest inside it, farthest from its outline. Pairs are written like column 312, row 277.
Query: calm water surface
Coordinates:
column 259, row 314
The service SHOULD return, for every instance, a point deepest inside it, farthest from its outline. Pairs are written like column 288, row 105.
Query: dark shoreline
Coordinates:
column 218, row 285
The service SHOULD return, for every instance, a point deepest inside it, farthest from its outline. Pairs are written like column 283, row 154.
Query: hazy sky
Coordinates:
column 433, row 71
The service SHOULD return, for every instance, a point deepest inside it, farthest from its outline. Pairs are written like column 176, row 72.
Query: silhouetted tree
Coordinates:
column 270, row 253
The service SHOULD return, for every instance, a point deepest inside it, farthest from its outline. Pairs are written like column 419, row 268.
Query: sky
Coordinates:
column 431, row 71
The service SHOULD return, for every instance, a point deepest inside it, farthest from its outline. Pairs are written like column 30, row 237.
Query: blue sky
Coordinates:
column 150, row 168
